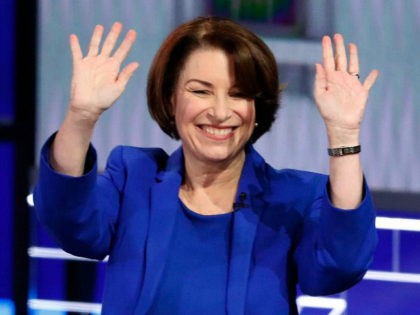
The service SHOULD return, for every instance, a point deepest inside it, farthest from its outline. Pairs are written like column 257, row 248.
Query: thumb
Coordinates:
column 126, row 74
column 370, row 80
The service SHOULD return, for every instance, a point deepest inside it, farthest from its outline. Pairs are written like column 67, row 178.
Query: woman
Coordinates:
column 211, row 229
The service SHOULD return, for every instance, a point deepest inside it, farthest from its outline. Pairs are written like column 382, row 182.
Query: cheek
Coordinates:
column 185, row 110
column 251, row 118
column 250, row 112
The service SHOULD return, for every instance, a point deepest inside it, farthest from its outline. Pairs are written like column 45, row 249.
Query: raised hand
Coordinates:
column 97, row 80
column 96, row 84
column 339, row 94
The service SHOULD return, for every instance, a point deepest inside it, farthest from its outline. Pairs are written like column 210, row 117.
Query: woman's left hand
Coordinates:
column 339, row 94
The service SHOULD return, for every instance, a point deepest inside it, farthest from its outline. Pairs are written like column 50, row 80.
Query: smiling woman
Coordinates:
column 214, row 125
column 251, row 64
column 212, row 228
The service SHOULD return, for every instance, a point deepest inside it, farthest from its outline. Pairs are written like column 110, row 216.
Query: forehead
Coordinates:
column 207, row 63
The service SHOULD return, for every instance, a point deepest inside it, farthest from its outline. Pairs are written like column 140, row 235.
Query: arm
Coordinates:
column 80, row 212
column 68, row 196
column 341, row 100
column 96, row 84
column 335, row 246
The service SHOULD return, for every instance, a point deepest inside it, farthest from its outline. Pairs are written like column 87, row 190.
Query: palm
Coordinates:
column 340, row 96
column 97, row 81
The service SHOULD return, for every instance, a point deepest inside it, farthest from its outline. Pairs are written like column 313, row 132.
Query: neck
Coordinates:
column 211, row 188
column 204, row 175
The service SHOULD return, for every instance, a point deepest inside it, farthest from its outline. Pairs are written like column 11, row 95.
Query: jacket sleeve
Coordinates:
column 336, row 246
column 80, row 212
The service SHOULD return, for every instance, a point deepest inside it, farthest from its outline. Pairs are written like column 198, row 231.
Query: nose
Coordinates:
column 220, row 110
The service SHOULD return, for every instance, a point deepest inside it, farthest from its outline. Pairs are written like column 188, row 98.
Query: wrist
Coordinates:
column 81, row 117
column 342, row 137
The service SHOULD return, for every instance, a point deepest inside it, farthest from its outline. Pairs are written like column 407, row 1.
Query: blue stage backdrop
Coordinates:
column 386, row 33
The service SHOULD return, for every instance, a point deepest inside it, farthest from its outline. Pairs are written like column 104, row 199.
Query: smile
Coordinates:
column 218, row 132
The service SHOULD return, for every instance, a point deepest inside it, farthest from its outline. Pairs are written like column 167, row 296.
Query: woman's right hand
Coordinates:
column 96, row 84
column 97, row 80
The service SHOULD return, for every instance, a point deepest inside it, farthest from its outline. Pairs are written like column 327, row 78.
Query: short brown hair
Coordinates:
column 255, row 69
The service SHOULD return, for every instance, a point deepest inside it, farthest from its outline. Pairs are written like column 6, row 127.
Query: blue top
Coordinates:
column 286, row 233
column 195, row 278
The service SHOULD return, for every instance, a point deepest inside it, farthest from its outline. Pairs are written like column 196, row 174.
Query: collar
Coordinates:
column 252, row 176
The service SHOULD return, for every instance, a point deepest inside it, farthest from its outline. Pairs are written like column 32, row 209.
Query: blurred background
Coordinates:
column 38, row 278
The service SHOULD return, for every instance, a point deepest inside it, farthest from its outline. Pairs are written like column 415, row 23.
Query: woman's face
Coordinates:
column 213, row 119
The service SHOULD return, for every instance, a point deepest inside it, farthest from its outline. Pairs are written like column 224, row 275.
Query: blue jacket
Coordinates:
column 285, row 230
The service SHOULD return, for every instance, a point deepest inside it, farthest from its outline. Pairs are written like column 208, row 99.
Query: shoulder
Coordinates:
column 286, row 181
column 295, row 177
column 131, row 164
column 295, row 188
column 132, row 156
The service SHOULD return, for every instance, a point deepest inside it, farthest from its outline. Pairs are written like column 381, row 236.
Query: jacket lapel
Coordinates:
column 164, row 203
column 245, row 223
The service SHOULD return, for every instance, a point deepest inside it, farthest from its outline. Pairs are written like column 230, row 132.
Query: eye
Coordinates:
column 201, row 92
column 237, row 94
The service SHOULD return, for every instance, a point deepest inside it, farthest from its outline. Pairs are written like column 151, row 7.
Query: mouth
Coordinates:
column 218, row 133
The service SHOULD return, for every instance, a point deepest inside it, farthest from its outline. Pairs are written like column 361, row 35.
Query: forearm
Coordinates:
column 346, row 174
column 337, row 248
column 346, row 181
column 69, row 208
column 68, row 151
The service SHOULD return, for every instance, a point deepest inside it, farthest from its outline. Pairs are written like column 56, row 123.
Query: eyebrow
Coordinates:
column 208, row 84
column 205, row 83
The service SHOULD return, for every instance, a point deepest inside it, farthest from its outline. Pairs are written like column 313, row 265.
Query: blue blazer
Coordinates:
column 285, row 231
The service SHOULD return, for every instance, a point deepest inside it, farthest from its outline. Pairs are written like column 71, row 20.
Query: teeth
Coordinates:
column 217, row 131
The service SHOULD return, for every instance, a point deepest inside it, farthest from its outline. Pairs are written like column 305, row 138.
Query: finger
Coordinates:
column 127, row 73
column 353, row 59
column 75, row 49
column 125, row 46
column 340, row 53
column 370, row 80
column 95, row 40
column 111, row 39
column 320, row 82
column 327, row 54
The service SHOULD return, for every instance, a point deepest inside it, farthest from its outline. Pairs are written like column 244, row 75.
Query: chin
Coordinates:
column 213, row 154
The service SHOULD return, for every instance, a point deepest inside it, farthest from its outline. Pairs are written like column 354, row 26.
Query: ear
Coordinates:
column 172, row 104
